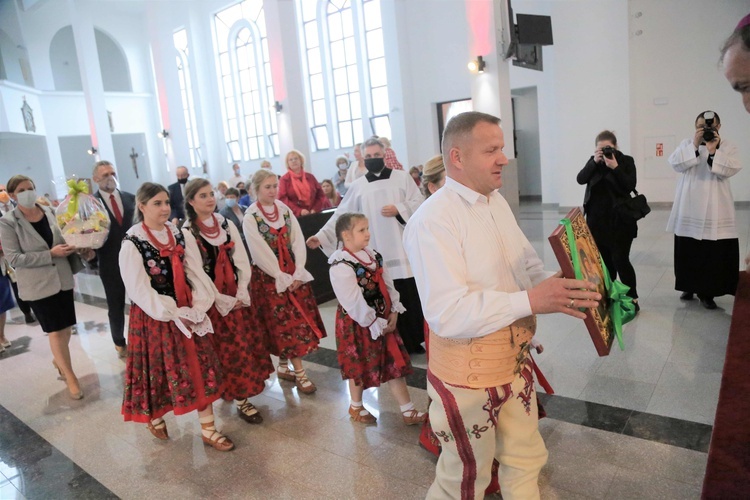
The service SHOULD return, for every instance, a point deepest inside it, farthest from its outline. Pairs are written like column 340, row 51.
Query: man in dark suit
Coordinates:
column 6, row 205
column 120, row 207
column 176, row 195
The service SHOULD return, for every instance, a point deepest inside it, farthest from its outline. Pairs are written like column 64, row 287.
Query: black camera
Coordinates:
column 709, row 132
column 608, row 151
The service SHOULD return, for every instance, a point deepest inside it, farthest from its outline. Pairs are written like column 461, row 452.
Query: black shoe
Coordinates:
column 29, row 318
column 708, row 303
column 686, row 296
column 637, row 307
column 417, row 350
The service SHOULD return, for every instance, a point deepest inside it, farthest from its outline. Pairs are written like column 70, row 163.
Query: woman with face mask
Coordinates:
column 44, row 266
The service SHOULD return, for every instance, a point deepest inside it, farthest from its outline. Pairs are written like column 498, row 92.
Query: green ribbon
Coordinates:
column 76, row 187
column 621, row 306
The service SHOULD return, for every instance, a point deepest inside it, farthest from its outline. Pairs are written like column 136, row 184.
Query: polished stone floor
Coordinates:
column 635, row 424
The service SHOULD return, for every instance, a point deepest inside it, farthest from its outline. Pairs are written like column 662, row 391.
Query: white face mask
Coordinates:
column 27, row 199
column 108, row 184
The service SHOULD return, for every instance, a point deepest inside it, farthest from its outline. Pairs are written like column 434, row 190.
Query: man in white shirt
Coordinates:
column 481, row 284
column 120, row 207
column 237, row 177
column 387, row 198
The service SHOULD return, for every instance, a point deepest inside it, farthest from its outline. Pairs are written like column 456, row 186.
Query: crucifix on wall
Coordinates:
column 134, row 158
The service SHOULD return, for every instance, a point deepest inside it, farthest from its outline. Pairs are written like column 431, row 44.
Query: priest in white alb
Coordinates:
column 388, row 198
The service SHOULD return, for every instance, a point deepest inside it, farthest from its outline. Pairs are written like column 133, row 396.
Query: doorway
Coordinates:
column 526, row 123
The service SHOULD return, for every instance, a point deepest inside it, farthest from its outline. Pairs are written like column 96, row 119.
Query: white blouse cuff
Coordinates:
column 224, row 303
column 243, row 297
column 376, row 329
column 283, row 281
column 303, row 275
column 398, row 307
column 201, row 323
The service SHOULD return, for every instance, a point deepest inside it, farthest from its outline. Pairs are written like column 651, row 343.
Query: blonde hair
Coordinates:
column 386, row 142
column 294, row 152
column 432, row 172
column 258, row 178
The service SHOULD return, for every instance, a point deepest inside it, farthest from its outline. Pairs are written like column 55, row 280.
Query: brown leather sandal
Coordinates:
column 413, row 417
column 159, row 430
column 355, row 413
column 249, row 413
column 217, row 440
column 304, row 384
column 284, row 373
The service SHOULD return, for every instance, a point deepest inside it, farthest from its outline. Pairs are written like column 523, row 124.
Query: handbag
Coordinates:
column 632, row 208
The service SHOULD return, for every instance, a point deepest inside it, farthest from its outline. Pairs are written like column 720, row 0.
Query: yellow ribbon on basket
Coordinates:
column 621, row 306
column 76, row 187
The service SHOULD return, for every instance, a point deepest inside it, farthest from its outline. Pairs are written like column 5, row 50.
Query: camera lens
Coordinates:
column 708, row 134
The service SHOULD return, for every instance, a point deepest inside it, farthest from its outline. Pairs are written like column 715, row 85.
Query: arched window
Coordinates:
column 250, row 125
column 186, row 93
column 344, row 60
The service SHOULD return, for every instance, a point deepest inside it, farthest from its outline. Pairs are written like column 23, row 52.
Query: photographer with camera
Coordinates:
column 610, row 176
column 706, row 248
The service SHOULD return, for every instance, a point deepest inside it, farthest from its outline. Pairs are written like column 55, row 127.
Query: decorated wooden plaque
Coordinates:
column 598, row 320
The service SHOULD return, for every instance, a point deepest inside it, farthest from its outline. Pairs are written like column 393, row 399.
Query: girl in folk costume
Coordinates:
column 370, row 350
column 280, row 286
column 214, row 247
column 172, row 364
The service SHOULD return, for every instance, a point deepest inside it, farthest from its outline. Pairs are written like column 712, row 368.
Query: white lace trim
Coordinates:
column 202, row 325
column 340, row 254
column 377, row 328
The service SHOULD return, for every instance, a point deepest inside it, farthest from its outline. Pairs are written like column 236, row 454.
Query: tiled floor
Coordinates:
column 662, row 388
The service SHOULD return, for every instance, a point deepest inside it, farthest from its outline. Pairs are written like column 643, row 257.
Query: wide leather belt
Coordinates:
column 479, row 363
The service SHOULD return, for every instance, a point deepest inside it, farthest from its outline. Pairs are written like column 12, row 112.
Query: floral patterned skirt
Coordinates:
column 289, row 332
column 167, row 371
column 243, row 352
column 368, row 362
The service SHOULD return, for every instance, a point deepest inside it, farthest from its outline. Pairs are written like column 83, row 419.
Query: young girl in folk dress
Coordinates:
column 214, row 247
column 370, row 350
column 171, row 365
column 280, row 287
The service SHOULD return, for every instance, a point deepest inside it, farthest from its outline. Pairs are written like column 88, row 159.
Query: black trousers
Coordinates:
column 709, row 268
column 410, row 324
column 114, row 290
column 615, row 252
column 22, row 304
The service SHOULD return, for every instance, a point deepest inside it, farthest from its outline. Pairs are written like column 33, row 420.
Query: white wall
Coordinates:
column 684, row 73
column 27, row 155
column 434, row 54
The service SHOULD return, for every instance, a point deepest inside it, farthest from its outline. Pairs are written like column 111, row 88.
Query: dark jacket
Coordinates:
column 108, row 254
column 176, row 201
column 604, row 188
column 229, row 215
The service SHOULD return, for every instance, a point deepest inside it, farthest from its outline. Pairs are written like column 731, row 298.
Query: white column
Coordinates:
column 91, row 78
column 164, row 55
column 490, row 91
column 283, row 44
